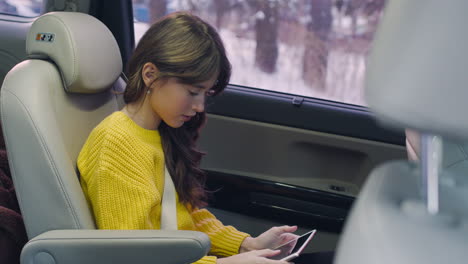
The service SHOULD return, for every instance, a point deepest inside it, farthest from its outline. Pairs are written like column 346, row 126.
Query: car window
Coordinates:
column 313, row 48
column 23, row 8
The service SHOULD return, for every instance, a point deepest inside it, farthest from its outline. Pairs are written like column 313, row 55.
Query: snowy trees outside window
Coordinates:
column 314, row 48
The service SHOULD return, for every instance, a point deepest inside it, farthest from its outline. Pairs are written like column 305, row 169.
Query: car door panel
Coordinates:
column 293, row 156
column 265, row 167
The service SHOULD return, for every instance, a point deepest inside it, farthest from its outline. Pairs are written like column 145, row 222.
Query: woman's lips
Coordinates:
column 186, row 118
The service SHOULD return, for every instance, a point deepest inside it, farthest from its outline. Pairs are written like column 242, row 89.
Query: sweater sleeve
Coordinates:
column 121, row 198
column 225, row 240
column 206, row 260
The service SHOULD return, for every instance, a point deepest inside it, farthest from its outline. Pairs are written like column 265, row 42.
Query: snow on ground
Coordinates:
column 344, row 80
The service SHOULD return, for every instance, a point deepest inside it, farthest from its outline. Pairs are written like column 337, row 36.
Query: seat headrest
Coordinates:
column 418, row 69
column 82, row 47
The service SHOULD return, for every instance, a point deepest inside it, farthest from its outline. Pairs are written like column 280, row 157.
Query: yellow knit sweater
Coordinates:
column 122, row 176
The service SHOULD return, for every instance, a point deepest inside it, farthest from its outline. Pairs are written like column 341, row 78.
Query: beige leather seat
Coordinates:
column 49, row 105
column 407, row 212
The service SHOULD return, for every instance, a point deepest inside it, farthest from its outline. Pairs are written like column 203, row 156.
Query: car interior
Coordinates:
column 320, row 165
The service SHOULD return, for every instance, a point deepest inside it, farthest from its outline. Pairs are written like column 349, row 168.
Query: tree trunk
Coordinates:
column 266, row 32
column 221, row 6
column 322, row 19
column 315, row 60
column 157, row 10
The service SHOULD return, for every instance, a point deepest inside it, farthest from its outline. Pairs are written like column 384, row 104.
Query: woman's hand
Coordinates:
column 253, row 257
column 272, row 238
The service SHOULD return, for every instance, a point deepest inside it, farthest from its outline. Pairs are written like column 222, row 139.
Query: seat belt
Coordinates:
column 168, row 204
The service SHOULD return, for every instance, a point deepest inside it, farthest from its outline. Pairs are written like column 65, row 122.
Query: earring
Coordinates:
column 148, row 92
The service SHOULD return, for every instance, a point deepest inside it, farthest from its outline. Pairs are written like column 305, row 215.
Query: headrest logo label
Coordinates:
column 45, row 37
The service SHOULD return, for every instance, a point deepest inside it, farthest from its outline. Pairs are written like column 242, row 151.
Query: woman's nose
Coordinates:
column 199, row 104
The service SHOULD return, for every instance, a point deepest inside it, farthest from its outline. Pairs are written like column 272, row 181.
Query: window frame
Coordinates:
column 294, row 110
column 16, row 18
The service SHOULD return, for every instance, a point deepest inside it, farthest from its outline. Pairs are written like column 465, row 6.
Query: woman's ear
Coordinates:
column 149, row 73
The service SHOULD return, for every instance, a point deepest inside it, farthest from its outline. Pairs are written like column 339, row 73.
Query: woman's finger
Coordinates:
column 267, row 253
column 287, row 229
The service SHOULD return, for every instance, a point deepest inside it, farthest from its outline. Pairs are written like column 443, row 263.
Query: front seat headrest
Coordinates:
column 418, row 69
column 81, row 46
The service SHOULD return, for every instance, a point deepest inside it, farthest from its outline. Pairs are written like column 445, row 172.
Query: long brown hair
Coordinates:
column 183, row 46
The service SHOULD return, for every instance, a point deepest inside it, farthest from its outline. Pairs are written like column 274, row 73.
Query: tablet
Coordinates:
column 297, row 245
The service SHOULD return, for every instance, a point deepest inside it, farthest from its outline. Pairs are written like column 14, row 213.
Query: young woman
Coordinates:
column 176, row 65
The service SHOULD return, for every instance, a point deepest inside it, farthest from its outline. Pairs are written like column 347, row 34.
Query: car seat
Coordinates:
column 49, row 105
column 411, row 212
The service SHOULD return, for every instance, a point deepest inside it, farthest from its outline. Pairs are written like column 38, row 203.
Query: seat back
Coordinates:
column 411, row 212
column 49, row 105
